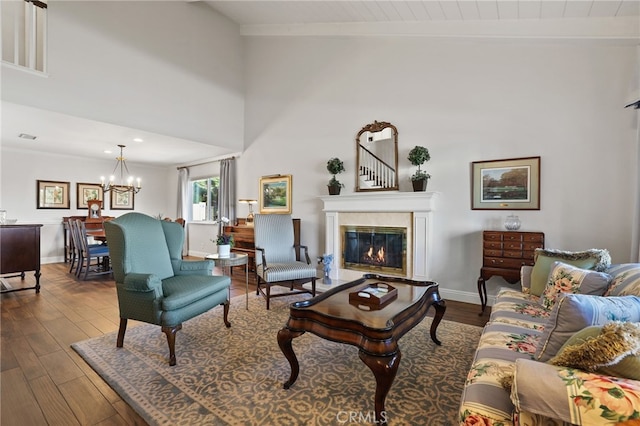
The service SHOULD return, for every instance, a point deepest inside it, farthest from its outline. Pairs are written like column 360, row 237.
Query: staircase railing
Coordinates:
column 376, row 171
column 25, row 33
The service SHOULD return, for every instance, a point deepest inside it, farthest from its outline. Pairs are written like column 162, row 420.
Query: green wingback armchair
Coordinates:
column 153, row 283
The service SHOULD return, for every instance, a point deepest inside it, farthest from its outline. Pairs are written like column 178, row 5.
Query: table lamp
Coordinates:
column 249, row 219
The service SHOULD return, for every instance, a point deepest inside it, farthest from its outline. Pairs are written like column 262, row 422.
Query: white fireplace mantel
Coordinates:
column 381, row 202
column 420, row 204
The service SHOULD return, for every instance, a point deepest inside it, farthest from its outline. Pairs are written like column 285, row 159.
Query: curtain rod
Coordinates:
column 206, row 162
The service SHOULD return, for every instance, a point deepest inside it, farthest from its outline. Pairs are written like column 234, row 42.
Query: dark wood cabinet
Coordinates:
column 503, row 254
column 244, row 239
column 20, row 252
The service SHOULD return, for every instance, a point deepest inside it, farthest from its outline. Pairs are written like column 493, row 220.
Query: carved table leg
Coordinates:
column 285, row 336
column 440, row 307
column 384, row 369
column 482, row 291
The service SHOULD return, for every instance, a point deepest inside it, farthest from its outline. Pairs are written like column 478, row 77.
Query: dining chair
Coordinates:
column 77, row 252
column 276, row 262
column 153, row 284
column 75, row 247
column 91, row 252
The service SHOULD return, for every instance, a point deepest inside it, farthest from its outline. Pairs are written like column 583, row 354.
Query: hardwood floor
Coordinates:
column 44, row 382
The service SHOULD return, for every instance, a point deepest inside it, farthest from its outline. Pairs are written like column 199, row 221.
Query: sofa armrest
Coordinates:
column 572, row 395
column 525, row 278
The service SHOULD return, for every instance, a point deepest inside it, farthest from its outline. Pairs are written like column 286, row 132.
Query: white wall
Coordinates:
column 183, row 73
column 172, row 68
column 465, row 100
column 20, row 170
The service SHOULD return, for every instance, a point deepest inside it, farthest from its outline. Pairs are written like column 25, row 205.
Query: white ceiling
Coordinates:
column 58, row 133
column 288, row 12
column 63, row 134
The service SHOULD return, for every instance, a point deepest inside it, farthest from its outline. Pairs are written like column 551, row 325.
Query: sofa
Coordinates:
column 562, row 349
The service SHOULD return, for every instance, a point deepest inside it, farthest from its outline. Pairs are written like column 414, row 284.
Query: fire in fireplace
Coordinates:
column 375, row 249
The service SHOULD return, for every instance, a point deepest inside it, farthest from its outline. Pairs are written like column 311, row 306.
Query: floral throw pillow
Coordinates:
column 595, row 259
column 565, row 278
column 625, row 281
column 574, row 396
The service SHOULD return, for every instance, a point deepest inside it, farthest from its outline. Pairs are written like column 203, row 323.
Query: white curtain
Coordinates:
column 227, row 192
column 184, row 204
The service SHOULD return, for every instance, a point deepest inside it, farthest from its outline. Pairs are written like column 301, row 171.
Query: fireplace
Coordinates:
column 411, row 211
column 380, row 249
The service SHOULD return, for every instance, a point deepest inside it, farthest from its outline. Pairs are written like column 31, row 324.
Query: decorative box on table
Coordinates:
column 373, row 295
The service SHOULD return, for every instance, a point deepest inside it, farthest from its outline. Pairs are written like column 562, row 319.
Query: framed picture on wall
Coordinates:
column 275, row 194
column 121, row 200
column 511, row 184
column 88, row 192
column 52, row 194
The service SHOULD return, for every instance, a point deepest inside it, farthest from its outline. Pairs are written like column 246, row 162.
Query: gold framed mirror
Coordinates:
column 377, row 157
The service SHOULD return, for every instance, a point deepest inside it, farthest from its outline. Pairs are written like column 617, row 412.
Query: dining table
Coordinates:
column 97, row 234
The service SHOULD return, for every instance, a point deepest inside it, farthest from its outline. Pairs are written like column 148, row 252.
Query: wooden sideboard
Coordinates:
column 244, row 239
column 503, row 254
column 20, row 252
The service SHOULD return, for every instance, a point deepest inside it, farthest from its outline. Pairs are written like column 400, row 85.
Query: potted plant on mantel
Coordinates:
column 418, row 156
column 335, row 166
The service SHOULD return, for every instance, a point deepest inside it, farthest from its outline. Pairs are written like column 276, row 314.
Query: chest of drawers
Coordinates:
column 503, row 253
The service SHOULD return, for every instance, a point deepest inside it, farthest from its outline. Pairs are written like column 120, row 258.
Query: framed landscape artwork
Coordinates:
column 275, row 194
column 121, row 200
column 512, row 184
column 52, row 194
column 88, row 192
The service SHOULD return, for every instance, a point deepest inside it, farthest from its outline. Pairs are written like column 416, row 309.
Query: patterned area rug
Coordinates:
column 234, row 376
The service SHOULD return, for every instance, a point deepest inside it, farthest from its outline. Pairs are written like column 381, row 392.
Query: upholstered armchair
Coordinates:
column 276, row 262
column 153, row 283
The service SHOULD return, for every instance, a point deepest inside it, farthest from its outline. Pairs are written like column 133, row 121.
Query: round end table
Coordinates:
column 233, row 259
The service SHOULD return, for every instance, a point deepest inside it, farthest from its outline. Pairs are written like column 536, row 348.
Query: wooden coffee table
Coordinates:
column 375, row 331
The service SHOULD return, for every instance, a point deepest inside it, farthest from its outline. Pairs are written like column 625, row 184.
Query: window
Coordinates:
column 205, row 199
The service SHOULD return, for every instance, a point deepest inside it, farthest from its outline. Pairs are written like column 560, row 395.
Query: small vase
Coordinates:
column 327, row 278
column 224, row 250
column 512, row 223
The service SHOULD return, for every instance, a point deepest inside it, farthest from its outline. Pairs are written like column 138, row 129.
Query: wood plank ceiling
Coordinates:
column 290, row 12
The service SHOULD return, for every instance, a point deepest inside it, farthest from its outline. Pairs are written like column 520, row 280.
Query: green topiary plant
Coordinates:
column 335, row 166
column 418, row 156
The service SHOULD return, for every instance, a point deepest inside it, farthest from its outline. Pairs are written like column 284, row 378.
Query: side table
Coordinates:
column 234, row 259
